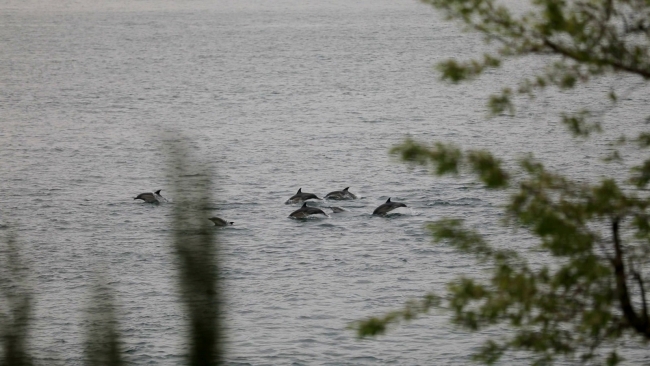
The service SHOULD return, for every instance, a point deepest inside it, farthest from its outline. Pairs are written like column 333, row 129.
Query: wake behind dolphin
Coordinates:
column 387, row 207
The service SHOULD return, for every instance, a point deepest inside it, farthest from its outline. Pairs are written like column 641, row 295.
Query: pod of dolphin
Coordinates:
column 299, row 197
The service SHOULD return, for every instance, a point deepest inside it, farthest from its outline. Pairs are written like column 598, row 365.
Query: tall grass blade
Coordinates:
column 103, row 338
column 195, row 246
column 15, row 306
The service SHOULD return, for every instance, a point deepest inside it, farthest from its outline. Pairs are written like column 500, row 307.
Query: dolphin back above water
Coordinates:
column 218, row 221
column 387, row 207
column 301, row 197
column 341, row 195
column 149, row 197
column 336, row 209
column 305, row 211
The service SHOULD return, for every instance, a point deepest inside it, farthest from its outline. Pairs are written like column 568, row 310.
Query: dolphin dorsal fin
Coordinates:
column 158, row 192
column 388, row 201
column 299, row 190
column 304, row 204
column 346, row 189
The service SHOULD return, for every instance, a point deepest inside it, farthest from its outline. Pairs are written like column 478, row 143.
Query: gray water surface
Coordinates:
column 273, row 96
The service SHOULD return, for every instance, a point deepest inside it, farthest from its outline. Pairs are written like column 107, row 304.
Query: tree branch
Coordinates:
column 644, row 303
column 641, row 325
column 613, row 63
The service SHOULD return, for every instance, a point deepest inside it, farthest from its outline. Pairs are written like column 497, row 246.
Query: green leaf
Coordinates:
column 445, row 157
column 641, row 175
column 501, row 103
column 579, row 125
column 488, row 168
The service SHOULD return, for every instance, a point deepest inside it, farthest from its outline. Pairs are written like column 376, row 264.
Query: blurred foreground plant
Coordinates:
column 103, row 338
column 195, row 245
column 15, row 305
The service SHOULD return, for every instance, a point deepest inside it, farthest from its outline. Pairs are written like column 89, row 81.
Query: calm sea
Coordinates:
column 273, row 96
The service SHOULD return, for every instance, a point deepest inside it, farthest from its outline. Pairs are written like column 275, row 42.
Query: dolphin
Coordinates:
column 149, row 197
column 336, row 209
column 341, row 195
column 218, row 221
column 387, row 207
column 301, row 197
column 305, row 211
